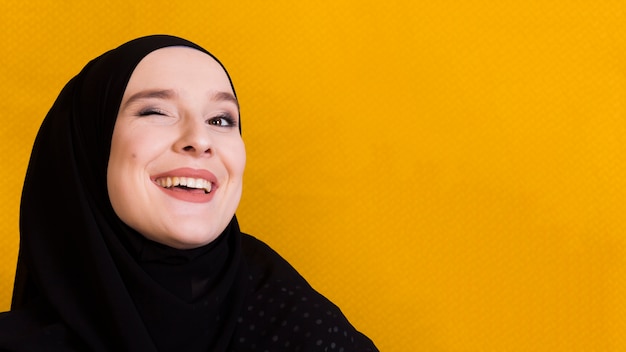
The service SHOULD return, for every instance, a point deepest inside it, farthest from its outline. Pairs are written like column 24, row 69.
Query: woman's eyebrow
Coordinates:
column 170, row 94
column 225, row 96
column 146, row 94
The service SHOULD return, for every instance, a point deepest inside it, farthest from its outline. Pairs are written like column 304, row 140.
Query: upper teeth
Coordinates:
column 188, row 182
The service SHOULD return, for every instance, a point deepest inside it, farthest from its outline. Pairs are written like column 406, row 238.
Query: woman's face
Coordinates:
column 177, row 158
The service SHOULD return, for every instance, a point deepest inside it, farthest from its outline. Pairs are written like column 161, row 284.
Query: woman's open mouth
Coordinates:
column 185, row 183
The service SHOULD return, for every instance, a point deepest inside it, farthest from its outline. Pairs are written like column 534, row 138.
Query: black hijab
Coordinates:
column 87, row 281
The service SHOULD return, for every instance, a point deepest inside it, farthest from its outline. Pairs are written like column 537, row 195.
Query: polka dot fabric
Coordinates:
column 283, row 312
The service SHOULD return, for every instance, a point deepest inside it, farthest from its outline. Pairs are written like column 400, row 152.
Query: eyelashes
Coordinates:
column 219, row 120
column 222, row 120
column 152, row 111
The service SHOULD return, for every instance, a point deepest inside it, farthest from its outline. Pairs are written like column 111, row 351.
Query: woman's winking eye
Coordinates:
column 152, row 111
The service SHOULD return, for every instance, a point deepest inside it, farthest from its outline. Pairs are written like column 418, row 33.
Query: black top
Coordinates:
column 86, row 281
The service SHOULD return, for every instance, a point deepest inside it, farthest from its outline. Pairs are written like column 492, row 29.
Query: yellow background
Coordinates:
column 450, row 173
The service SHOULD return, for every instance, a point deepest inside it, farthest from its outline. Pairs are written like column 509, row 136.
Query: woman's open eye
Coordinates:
column 223, row 120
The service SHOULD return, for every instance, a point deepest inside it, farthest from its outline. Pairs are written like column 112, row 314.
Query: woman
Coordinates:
column 128, row 236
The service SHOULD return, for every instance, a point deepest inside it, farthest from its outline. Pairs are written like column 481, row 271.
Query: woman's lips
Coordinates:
column 187, row 184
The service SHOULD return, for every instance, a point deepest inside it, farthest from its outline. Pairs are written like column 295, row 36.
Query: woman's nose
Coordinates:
column 194, row 139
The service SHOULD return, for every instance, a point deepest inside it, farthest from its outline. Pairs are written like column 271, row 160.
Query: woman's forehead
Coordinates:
column 178, row 68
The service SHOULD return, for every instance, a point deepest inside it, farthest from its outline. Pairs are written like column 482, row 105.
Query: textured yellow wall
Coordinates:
column 451, row 173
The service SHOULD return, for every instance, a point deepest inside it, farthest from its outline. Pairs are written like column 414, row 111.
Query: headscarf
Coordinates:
column 87, row 281
column 108, row 284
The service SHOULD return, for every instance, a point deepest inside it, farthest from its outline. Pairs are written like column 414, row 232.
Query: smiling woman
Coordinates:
column 177, row 125
column 145, row 151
